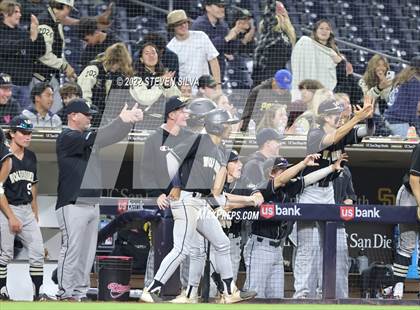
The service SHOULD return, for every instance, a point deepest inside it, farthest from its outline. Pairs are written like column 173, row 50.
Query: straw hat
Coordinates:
column 176, row 18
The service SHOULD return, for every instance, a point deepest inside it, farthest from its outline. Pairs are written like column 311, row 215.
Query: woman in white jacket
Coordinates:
column 152, row 83
column 317, row 57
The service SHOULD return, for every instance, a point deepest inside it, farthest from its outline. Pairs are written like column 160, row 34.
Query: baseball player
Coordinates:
column 154, row 172
column 408, row 195
column 20, row 191
column 77, row 214
column 263, row 253
column 329, row 140
column 200, row 163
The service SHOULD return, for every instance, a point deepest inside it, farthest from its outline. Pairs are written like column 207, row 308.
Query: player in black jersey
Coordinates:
column 21, row 195
column 328, row 140
column 200, row 163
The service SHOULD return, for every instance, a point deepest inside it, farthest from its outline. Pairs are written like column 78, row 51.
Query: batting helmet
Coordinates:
column 198, row 109
column 214, row 121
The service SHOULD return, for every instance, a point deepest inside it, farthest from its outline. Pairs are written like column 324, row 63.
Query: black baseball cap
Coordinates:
column 268, row 134
column 206, row 81
column 21, row 123
column 240, row 13
column 79, row 105
column 234, row 156
column 216, row 2
column 277, row 162
column 5, row 80
column 174, row 103
column 330, row 107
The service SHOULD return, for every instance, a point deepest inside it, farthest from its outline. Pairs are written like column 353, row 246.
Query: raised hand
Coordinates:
column 34, row 28
column 131, row 116
column 366, row 112
column 310, row 159
column 337, row 165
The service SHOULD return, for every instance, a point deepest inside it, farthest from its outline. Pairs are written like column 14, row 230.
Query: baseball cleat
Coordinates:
column 44, row 297
column 399, row 290
column 184, row 300
column 150, row 297
column 238, row 296
column 4, row 294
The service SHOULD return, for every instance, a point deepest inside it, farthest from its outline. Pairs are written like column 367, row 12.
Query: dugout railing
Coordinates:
column 328, row 216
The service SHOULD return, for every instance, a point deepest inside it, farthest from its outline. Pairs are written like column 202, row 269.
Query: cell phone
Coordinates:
column 390, row 75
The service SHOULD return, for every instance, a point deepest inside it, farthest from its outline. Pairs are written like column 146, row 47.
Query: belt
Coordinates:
column 275, row 244
column 319, row 184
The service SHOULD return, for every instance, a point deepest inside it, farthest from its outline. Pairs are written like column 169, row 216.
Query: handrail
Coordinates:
column 362, row 48
column 150, row 6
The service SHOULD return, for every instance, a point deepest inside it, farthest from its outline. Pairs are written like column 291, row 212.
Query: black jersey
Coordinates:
column 201, row 160
column 154, row 175
column 270, row 229
column 18, row 186
column 242, row 187
column 329, row 153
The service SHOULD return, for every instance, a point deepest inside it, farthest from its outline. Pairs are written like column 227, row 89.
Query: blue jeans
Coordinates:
column 22, row 94
column 399, row 129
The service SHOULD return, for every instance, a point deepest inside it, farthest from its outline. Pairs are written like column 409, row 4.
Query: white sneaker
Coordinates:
column 4, row 294
column 184, row 300
column 237, row 295
column 399, row 290
column 182, row 294
column 150, row 297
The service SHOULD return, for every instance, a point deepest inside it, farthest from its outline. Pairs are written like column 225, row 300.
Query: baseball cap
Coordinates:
column 79, row 105
column 206, row 81
column 277, row 162
column 217, row 2
column 174, row 103
column 5, row 80
column 234, row 156
column 283, row 79
column 415, row 62
column 330, row 106
column 70, row 3
column 240, row 13
column 268, row 134
column 21, row 123
column 176, row 17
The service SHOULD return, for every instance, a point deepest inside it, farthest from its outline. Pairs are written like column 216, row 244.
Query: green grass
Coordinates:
column 141, row 306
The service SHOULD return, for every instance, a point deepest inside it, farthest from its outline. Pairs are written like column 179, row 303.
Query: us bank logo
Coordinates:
column 348, row 213
column 267, row 211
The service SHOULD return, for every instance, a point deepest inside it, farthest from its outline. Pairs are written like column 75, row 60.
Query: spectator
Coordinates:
column 207, row 87
column 317, row 57
column 9, row 108
column 18, row 50
column 307, row 89
column 97, row 41
column 213, row 24
column 168, row 58
column 307, row 120
column 154, row 80
column 404, row 100
column 68, row 92
column 243, row 27
column 112, row 71
column 274, row 46
column 186, row 90
column 196, row 53
column 268, row 141
column 377, row 82
column 49, row 66
column 223, row 102
column 40, row 114
column 344, row 100
column 273, row 90
column 275, row 116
